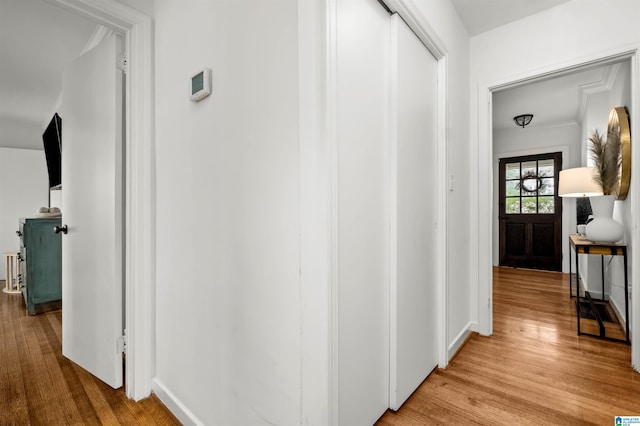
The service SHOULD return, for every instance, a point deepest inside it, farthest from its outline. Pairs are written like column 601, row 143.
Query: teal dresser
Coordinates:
column 41, row 268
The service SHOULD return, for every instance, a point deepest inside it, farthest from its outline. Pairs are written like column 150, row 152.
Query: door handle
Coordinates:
column 59, row 229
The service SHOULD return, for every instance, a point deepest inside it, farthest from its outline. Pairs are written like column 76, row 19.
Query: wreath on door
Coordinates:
column 531, row 182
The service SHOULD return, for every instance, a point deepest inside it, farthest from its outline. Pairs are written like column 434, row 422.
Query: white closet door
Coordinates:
column 362, row 255
column 92, row 277
column 413, row 328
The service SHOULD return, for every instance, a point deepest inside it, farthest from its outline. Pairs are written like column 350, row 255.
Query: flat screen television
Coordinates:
column 52, row 139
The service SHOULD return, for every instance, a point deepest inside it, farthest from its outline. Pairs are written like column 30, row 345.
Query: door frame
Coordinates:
column 485, row 178
column 136, row 29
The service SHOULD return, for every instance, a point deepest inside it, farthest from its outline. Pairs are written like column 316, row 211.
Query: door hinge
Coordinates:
column 121, row 344
column 122, row 63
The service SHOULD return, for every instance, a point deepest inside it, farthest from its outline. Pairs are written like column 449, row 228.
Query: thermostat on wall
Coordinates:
column 200, row 85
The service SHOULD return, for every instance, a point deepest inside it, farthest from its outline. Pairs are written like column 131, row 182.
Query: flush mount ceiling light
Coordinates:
column 523, row 120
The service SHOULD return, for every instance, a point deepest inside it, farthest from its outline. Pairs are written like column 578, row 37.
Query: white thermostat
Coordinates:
column 200, row 85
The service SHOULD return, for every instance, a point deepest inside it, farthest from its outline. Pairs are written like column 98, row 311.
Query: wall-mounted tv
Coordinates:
column 52, row 139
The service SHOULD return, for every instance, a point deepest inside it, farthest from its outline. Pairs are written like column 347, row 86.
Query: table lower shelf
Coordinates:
column 597, row 319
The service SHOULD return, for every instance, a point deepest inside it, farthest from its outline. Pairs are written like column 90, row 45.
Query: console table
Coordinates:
column 581, row 245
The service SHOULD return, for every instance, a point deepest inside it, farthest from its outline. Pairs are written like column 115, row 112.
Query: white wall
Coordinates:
column 568, row 35
column 620, row 95
column 23, row 190
column 145, row 6
column 596, row 117
column 228, row 316
column 236, row 321
column 537, row 140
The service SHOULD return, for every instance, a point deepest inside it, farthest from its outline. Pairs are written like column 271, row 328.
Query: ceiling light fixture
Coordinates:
column 523, row 119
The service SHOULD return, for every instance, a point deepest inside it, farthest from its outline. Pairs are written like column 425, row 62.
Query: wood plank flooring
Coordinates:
column 38, row 386
column 534, row 370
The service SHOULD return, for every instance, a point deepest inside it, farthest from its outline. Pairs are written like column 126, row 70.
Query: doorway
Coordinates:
column 575, row 158
column 530, row 212
column 136, row 29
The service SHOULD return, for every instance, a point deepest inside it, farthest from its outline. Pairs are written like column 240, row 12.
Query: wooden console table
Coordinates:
column 581, row 245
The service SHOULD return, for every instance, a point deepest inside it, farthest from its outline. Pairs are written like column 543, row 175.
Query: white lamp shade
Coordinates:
column 578, row 182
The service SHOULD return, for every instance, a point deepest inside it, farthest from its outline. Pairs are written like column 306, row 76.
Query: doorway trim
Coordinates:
column 485, row 175
column 136, row 28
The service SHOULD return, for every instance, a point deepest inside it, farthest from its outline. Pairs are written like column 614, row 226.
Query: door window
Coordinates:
column 530, row 187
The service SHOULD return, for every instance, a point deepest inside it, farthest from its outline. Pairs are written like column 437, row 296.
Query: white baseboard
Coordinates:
column 461, row 338
column 619, row 313
column 174, row 405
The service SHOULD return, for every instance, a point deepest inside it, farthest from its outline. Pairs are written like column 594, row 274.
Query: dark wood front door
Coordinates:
column 530, row 212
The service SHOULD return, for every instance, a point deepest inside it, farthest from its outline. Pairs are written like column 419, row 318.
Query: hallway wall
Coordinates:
column 228, row 297
column 23, row 190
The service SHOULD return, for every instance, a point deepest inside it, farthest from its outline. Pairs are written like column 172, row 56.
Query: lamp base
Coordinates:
column 603, row 228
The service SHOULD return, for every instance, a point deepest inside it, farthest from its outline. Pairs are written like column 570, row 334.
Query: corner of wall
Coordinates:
column 177, row 408
column 461, row 339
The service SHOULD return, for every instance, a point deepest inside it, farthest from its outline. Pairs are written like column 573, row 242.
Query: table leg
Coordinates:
column 570, row 273
column 578, row 289
column 602, row 276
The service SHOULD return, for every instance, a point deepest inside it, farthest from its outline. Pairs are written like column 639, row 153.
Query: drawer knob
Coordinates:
column 59, row 229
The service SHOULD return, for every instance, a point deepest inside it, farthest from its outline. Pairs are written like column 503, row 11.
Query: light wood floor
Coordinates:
column 533, row 370
column 38, row 386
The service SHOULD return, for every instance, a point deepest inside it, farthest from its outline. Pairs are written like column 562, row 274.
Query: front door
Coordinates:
column 530, row 212
column 92, row 210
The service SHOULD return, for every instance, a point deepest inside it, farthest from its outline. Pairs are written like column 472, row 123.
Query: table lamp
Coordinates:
column 578, row 182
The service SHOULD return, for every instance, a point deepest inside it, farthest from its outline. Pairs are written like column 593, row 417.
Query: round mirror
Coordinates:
column 619, row 124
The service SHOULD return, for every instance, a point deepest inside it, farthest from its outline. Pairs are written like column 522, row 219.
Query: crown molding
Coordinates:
column 604, row 85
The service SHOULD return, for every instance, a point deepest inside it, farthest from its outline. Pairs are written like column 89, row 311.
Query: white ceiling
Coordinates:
column 552, row 101
column 36, row 40
column 479, row 16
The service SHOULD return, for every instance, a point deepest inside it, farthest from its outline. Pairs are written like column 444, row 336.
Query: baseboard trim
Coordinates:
column 460, row 339
column 174, row 405
column 618, row 312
